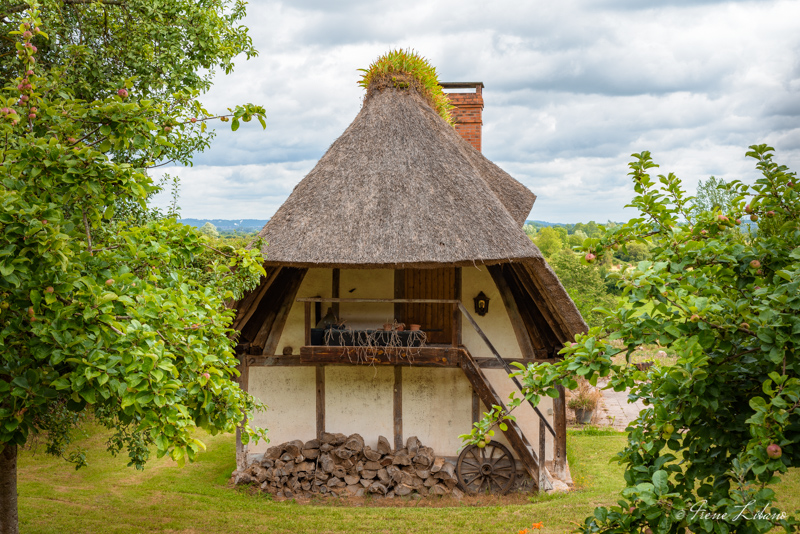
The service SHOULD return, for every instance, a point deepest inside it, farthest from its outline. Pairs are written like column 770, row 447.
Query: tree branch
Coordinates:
column 88, row 232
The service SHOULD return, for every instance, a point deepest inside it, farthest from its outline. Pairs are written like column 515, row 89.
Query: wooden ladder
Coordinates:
column 513, row 432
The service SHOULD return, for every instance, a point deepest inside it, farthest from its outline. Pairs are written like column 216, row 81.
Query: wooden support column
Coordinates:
column 455, row 315
column 244, row 377
column 400, row 293
column 335, row 291
column 542, row 455
column 307, row 327
column 398, row 407
column 476, row 407
column 320, row 400
column 560, row 426
column 457, row 296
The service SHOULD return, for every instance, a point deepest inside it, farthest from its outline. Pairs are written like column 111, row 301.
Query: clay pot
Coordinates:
column 401, row 327
column 387, row 327
column 414, row 327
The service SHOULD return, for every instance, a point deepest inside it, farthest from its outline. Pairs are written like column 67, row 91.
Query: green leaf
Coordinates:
column 88, row 395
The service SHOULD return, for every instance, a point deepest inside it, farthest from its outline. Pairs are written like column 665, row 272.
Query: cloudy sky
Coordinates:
column 572, row 88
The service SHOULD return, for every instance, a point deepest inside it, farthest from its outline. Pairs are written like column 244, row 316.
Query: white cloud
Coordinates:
column 572, row 88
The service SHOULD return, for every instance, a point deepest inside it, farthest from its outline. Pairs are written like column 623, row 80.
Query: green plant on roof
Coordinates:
column 389, row 68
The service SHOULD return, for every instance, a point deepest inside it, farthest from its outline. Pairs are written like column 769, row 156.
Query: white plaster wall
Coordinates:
column 366, row 284
column 360, row 399
column 290, row 394
column 495, row 324
column 527, row 419
column 437, row 407
column 317, row 282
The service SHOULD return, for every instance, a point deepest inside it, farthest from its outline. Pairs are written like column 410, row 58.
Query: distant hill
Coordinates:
column 228, row 225
column 544, row 223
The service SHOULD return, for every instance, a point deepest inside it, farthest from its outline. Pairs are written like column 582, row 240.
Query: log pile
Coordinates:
column 339, row 465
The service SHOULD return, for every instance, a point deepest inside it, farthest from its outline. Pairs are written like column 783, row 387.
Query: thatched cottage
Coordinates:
column 404, row 221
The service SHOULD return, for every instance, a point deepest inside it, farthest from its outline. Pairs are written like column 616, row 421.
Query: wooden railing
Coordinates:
column 453, row 303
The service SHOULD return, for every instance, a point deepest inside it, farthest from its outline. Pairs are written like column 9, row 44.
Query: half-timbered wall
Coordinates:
column 496, row 323
column 359, row 399
column 290, row 396
column 434, row 404
column 437, row 407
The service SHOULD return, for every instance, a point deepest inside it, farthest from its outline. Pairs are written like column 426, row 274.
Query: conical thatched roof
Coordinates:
column 401, row 188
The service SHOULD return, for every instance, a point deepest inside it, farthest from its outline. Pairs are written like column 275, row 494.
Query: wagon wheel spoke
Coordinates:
column 471, row 480
column 491, row 469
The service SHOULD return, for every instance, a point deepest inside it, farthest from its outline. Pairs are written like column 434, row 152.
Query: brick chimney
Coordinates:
column 468, row 111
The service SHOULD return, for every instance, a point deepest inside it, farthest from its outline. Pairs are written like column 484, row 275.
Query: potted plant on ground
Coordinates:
column 584, row 401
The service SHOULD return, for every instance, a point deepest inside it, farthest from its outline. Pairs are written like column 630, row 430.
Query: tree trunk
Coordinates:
column 8, row 490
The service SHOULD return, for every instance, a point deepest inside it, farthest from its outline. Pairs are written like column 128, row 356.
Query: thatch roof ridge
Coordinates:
column 400, row 188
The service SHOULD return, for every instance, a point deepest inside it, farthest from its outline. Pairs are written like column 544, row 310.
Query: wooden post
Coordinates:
column 336, row 276
column 455, row 315
column 542, row 456
column 308, row 324
column 398, row 407
column 320, row 400
column 458, row 297
column 244, row 379
column 476, row 406
column 560, row 424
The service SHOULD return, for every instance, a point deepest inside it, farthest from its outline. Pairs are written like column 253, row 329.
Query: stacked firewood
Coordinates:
column 343, row 466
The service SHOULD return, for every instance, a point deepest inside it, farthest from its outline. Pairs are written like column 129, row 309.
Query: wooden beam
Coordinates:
column 542, row 298
column 542, row 455
column 476, row 406
column 307, row 324
column 270, row 333
column 248, row 305
column 417, row 356
column 397, row 406
column 520, row 329
column 560, row 424
column 427, row 357
column 513, row 433
column 458, row 283
column 320, row 400
column 402, row 301
column 335, row 287
column 399, row 293
column 539, row 331
column 454, row 316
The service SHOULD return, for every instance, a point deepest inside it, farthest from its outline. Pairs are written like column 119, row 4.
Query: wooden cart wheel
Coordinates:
column 491, row 468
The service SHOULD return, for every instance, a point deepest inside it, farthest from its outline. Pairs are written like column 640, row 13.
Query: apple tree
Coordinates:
column 101, row 315
column 723, row 423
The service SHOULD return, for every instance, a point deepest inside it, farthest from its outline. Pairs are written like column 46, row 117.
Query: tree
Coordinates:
column 548, row 240
column 724, row 421
column 633, row 252
column 168, row 51
column 713, row 195
column 209, row 229
column 99, row 315
column 584, row 283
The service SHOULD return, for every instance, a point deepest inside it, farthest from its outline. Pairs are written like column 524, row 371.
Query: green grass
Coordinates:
column 108, row 497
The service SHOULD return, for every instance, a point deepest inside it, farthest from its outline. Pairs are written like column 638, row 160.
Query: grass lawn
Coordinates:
column 108, row 497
